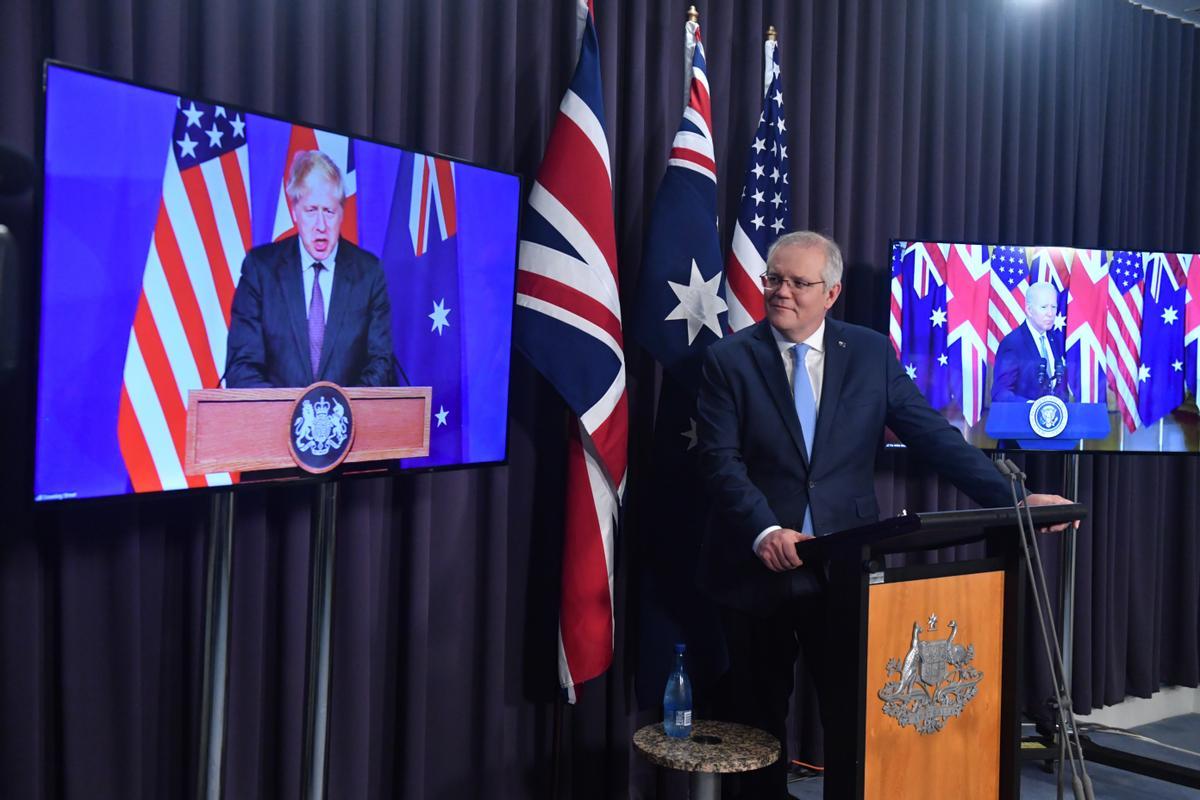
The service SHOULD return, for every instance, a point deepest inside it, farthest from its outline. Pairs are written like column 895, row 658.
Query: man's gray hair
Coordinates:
column 1041, row 287
column 304, row 165
column 831, row 273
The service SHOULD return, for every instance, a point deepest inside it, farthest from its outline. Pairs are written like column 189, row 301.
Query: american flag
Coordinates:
column 1160, row 373
column 177, row 341
column 340, row 150
column 896, row 317
column 1122, row 347
column 1087, row 321
column 968, row 300
column 568, row 324
column 1006, row 308
column 1191, row 338
column 765, row 211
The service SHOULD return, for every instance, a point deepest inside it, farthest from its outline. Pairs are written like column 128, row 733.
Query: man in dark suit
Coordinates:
column 791, row 415
column 1031, row 359
column 313, row 306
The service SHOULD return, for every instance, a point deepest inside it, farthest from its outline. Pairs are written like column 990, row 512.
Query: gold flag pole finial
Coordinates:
column 693, row 14
column 770, row 33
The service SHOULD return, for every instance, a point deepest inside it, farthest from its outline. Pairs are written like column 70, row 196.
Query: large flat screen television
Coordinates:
column 177, row 235
column 1052, row 348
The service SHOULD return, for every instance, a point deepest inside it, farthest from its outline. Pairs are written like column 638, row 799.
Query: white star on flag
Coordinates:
column 239, row 126
column 440, row 316
column 943, row 360
column 186, row 146
column 441, row 415
column 758, row 170
column 220, row 112
column 193, row 115
column 1177, row 366
column 777, row 225
column 758, row 197
column 911, row 369
column 759, row 145
column 1143, row 373
column 1170, row 315
column 757, row 222
column 690, row 434
column 1060, row 322
column 938, row 317
column 214, row 135
column 699, row 303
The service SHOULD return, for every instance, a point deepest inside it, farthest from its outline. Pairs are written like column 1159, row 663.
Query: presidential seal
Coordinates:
column 1048, row 416
column 322, row 428
column 934, row 682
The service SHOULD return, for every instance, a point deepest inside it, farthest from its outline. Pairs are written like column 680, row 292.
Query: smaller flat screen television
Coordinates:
column 1052, row 348
column 154, row 204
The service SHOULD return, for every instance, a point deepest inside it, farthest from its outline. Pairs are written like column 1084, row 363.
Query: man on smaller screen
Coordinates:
column 1030, row 361
column 313, row 306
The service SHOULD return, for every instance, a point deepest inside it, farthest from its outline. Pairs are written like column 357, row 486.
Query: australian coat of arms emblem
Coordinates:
column 933, row 683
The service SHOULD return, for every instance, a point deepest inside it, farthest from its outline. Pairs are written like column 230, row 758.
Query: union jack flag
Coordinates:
column 340, row 150
column 969, row 298
column 765, row 211
column 1087, row 322
column 568, row 324
column 1191, row 339
column 1122, row 347
column 1052, row 265
column 1160, row 374
column 177, row 340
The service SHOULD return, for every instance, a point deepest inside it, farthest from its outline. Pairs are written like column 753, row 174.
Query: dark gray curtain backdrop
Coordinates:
column 1070, row 122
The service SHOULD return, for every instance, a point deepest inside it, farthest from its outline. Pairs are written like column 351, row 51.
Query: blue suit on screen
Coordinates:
column 268, row 329
column 1020, row 371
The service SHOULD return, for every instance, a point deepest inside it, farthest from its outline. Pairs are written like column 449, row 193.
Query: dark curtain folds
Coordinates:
column 1065, row 123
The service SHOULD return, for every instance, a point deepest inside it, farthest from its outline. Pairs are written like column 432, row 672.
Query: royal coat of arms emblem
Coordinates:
column 934, row 682
column 318, row 429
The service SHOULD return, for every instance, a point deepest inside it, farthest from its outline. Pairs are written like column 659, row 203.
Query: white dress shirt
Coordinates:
column 1041, row 339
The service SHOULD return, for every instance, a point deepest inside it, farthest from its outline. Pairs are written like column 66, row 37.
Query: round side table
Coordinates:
column 713, row 748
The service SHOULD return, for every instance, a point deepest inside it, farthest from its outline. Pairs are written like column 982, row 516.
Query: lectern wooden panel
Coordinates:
column 965, row 762
column 231, row 430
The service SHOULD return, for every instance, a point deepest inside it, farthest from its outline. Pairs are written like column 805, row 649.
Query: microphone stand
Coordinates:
column 1068, row 731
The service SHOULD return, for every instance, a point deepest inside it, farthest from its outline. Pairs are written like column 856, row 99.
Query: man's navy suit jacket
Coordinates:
column 268, row 328
column 758, row 473
column 1019, row 367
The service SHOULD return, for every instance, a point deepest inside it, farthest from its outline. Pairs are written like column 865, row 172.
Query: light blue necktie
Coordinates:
column 1044, row 346
column 806, row 411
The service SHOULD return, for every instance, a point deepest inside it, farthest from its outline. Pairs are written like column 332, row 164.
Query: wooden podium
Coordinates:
column 925, row 659
column 231, row 430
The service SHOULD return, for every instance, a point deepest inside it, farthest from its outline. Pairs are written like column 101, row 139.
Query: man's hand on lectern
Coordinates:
column 1052, row 500
column 778, row 549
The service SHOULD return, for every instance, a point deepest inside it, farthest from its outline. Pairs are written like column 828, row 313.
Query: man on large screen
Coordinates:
column 1030, row 361
column 313, row 306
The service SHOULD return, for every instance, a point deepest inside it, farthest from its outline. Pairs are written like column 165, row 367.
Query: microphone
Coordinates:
column 400, row 370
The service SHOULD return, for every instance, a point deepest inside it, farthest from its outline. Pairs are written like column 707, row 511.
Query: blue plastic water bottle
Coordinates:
column 677, row 699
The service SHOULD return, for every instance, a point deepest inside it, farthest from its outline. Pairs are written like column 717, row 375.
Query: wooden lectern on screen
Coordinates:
column 234, row 430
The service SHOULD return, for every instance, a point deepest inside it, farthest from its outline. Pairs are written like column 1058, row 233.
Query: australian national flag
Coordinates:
column 925, row 354
column 422, row 245
column 680, row 311
column 1161, row 373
